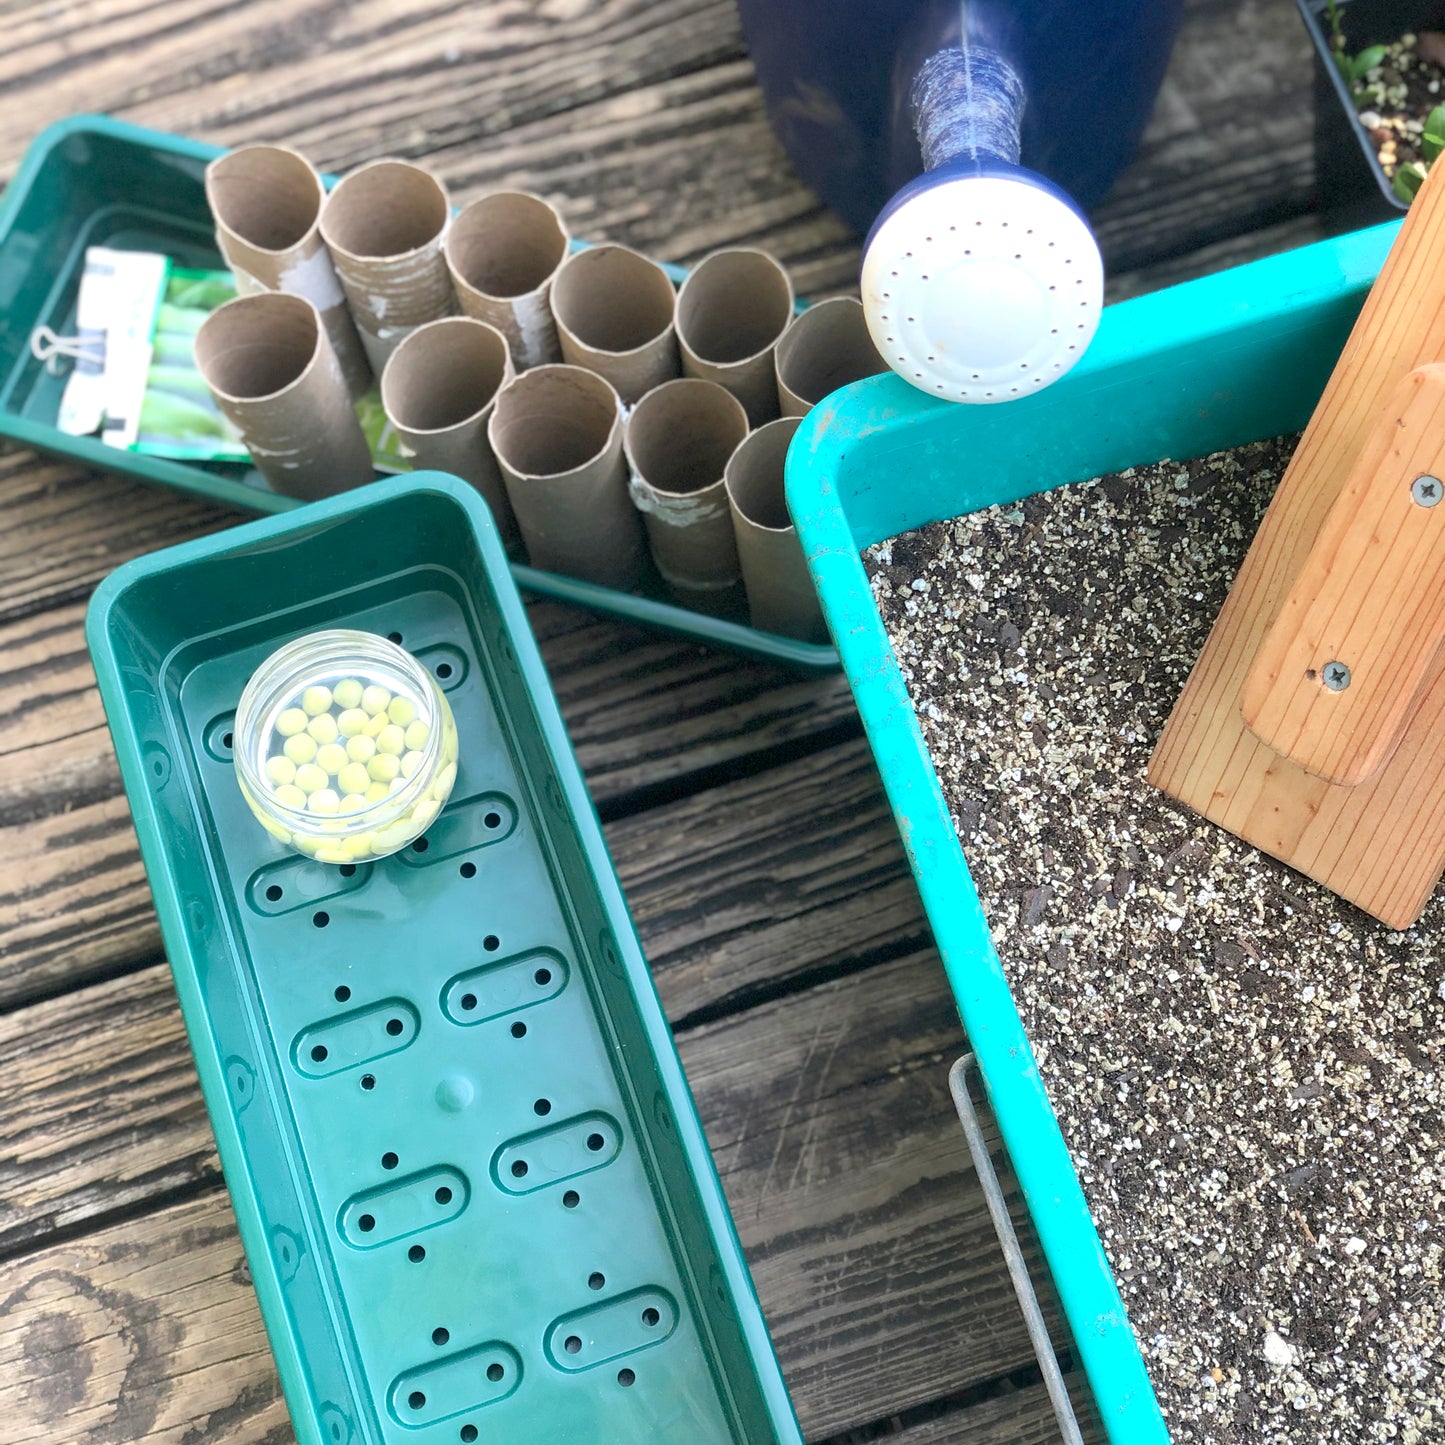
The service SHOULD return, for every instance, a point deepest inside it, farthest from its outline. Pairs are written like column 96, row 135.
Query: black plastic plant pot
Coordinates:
column 1354, row 189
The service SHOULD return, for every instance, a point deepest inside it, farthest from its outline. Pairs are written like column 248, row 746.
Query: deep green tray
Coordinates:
column 1214, row 363
column 92, row 180
column 483, row 1003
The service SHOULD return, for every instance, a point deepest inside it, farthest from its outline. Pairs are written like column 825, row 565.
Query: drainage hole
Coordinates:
column 543, row 977
column 347, row 870
column 571, row 1199
column 440, row 1336
column 394, row 1027
column 368, row 1081
column 318, row 1053
column 342, row 993
column 519, row 1030
column 519, row 1168
column 420, row 846
column 493, row 820
column 595, row 1142
column 468, row 870
column 572, row 1344
column 366, row 1223
column 650, row 1317
column 393, row 637
column 416, row 1400
column 495, row 1372
column 321, row 919
column 469, row 1002
column 226, row 740
column 491, row 943
column 444, row 670
column 273, row 893
column 596, row 1279
column 626, row 1378
column 542, row 1106
column 416, row 1254
column 469, row 1433
column 443, row 1195
column 389, row 1160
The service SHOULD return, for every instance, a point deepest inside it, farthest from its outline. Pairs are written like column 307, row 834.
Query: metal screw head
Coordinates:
column 1427, row 490
column 1336, row 676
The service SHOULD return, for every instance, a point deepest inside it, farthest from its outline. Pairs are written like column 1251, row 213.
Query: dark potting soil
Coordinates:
column 1248, row 1071
column 1396, row 96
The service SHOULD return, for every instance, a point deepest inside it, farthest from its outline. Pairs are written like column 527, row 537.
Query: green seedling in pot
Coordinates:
column 1354, row 68
column 1410, row 177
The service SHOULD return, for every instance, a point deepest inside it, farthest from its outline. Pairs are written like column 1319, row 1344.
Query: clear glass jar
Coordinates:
column 345, row 746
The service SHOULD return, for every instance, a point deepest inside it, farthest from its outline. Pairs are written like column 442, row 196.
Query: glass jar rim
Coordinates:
column 282, row 671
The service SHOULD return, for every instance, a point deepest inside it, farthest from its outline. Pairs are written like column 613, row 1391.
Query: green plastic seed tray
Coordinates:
column 1214, row 363
column 469, row 1177
column 91, row 180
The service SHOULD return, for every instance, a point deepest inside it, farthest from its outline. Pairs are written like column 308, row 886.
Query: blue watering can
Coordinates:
column 967, row 139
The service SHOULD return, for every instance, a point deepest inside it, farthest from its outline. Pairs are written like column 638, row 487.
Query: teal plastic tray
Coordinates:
column 92, row 180
column 1213, row 363
column 489, row 1212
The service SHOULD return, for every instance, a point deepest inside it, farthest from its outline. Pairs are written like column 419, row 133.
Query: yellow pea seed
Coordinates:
column 315, row 700
column 374, row 727
column 311, row 779
column 391, row 739
column 352, row 722
column 402, row 711
column 347, row 693
column 384, row 767
column 332, row 853
column 360, row 749
column 324, row 800
column 353, row 778
column 359, row 845
column 352, row 803
column 291, row 722
column 375, row 792
column 376, row 698
column 411, row 764
column 332, row 757
column 306, row 843
column 301, row 749
column 323, row 728
column 424, row 812
column 291, row 796
column 280, row 834
column 416, row 734
column 280, row 769
column 443, row 785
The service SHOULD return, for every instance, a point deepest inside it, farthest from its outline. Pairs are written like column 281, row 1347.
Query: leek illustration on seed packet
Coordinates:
column 177, row 416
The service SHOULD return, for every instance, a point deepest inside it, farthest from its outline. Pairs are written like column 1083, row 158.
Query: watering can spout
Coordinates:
column 982, row 281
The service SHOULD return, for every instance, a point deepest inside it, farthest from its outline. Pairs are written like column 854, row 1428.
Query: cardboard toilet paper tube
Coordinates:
column 503, row 252
column 730, row 313
column 266, row 202
column 825, row 348
column 614, row 312
column 438, row 391
column 271, row 369
column 384, row 226
column 557, row 434
column 780, row 592
column 678, row 441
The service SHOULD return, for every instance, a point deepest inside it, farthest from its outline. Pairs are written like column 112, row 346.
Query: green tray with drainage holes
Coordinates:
column 91, row 180
column 469, row 1177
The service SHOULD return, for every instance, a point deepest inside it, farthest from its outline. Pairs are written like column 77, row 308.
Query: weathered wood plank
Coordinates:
column 1021, row 1418
column 725, row 906
column 830, row 1122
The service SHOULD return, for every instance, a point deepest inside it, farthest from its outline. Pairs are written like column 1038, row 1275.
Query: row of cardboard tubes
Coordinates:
column 599, row 410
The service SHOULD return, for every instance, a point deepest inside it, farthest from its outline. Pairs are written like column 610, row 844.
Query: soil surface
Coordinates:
column 1249, row 1072
column 1396, row 96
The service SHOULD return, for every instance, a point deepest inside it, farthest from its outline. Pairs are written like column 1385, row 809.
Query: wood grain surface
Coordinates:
column 740, row 803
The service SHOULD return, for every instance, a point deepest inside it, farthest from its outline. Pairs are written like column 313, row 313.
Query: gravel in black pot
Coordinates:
column 1355, row 187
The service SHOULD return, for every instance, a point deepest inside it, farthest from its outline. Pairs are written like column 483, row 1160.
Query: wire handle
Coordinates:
column 1013, row 1255
column 51, row 348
